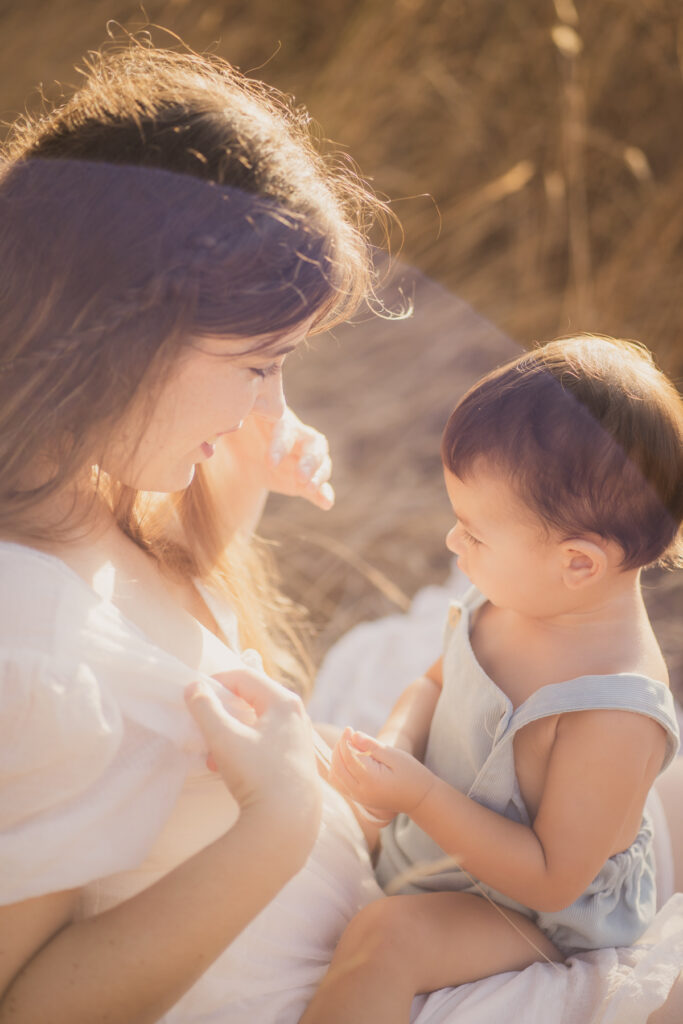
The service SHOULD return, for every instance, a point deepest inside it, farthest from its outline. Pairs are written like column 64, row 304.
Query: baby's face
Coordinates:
column 501, row 546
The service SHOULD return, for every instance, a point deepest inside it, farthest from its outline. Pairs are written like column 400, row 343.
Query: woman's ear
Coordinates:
column 584, row 562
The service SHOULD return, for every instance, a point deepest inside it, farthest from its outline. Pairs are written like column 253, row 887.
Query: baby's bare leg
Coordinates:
column 400, row 946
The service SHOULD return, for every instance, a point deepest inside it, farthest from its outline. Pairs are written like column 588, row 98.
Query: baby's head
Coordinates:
column 585, row 436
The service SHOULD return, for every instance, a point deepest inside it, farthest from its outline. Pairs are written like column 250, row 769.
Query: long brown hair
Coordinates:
column 168, row 197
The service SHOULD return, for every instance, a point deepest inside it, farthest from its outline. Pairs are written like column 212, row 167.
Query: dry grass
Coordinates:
column 548, row 136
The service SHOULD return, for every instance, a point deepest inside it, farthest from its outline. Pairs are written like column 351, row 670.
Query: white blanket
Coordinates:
column 358, row 682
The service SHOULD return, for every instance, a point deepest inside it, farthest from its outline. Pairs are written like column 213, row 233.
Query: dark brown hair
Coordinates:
column 590, row 435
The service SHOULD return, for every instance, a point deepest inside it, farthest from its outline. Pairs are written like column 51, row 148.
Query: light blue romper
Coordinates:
column 470, row 746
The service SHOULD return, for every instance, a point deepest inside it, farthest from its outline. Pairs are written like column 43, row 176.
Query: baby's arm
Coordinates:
column 601, row 767
column 407, row 727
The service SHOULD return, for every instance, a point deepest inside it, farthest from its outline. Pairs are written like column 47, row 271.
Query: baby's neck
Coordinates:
column 608, row 634
column 615, row 604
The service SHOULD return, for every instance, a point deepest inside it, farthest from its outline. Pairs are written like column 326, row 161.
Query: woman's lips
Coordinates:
column 209, row 447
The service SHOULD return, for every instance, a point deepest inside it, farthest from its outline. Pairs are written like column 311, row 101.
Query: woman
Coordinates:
column 172, row 236
column 145, row 312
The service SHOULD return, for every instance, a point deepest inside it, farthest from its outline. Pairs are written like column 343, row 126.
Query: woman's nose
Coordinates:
column 271, row 400
column 452, row 541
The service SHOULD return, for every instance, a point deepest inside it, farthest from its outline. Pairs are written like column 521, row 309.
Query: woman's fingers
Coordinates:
column 318, row 490
column 314, row 470
column 314, row 463
column 283, row 437
column 323, row 497
column 300, row 462
column 269, row 757
column 257, row 689
column 208, row 712
column 292, row 437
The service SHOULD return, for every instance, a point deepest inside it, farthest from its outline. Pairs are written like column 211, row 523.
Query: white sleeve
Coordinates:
column 83, row 793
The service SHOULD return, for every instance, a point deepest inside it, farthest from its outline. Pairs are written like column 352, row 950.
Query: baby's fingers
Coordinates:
column 340, row 776
column 359, row 764
column 360, row 745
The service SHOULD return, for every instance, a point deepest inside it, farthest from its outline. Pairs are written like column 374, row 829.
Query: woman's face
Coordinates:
column 215, row 384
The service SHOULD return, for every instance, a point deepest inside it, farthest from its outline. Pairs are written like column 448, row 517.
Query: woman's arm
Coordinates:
column 407, row 727
column 600, row 769
column 131, row 963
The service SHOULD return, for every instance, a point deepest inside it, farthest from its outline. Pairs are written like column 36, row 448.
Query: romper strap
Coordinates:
column 470, row 601
column 621, row 692
column 473, row 599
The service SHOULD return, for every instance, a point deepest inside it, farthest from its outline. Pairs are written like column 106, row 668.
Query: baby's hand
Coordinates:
column 383, row 779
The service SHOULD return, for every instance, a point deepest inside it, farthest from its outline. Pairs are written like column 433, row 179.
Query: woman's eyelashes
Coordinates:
column 266, row 371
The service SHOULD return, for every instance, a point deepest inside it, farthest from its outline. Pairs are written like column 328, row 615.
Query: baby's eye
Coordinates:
column 467, row 536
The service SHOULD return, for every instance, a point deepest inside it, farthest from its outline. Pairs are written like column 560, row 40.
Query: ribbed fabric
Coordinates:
column 470, row 746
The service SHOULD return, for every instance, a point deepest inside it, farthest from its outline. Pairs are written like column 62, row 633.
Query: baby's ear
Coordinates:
column 584, row 562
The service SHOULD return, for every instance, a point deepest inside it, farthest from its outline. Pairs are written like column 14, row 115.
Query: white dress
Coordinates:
column 103, row 786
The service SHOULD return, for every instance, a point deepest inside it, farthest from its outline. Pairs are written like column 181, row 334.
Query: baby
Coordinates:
column 514, row 773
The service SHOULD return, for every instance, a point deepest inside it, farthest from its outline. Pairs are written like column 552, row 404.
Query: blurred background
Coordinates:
column 532, row 151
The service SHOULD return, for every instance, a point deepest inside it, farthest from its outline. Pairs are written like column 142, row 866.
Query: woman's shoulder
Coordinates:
column 39, row 598
column 46, row 685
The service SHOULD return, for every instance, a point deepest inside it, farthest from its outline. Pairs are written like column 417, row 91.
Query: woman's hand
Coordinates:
column 286, row 455
column 132, row 963
column 263, row 749
column 299, row 460
column 383, row 779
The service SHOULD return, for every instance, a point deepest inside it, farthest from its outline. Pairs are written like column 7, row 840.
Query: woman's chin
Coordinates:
column 162, row 482
column 175, row 481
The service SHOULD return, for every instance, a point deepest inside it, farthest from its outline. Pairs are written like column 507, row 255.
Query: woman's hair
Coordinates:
column 589, row 433
column 169, row 197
